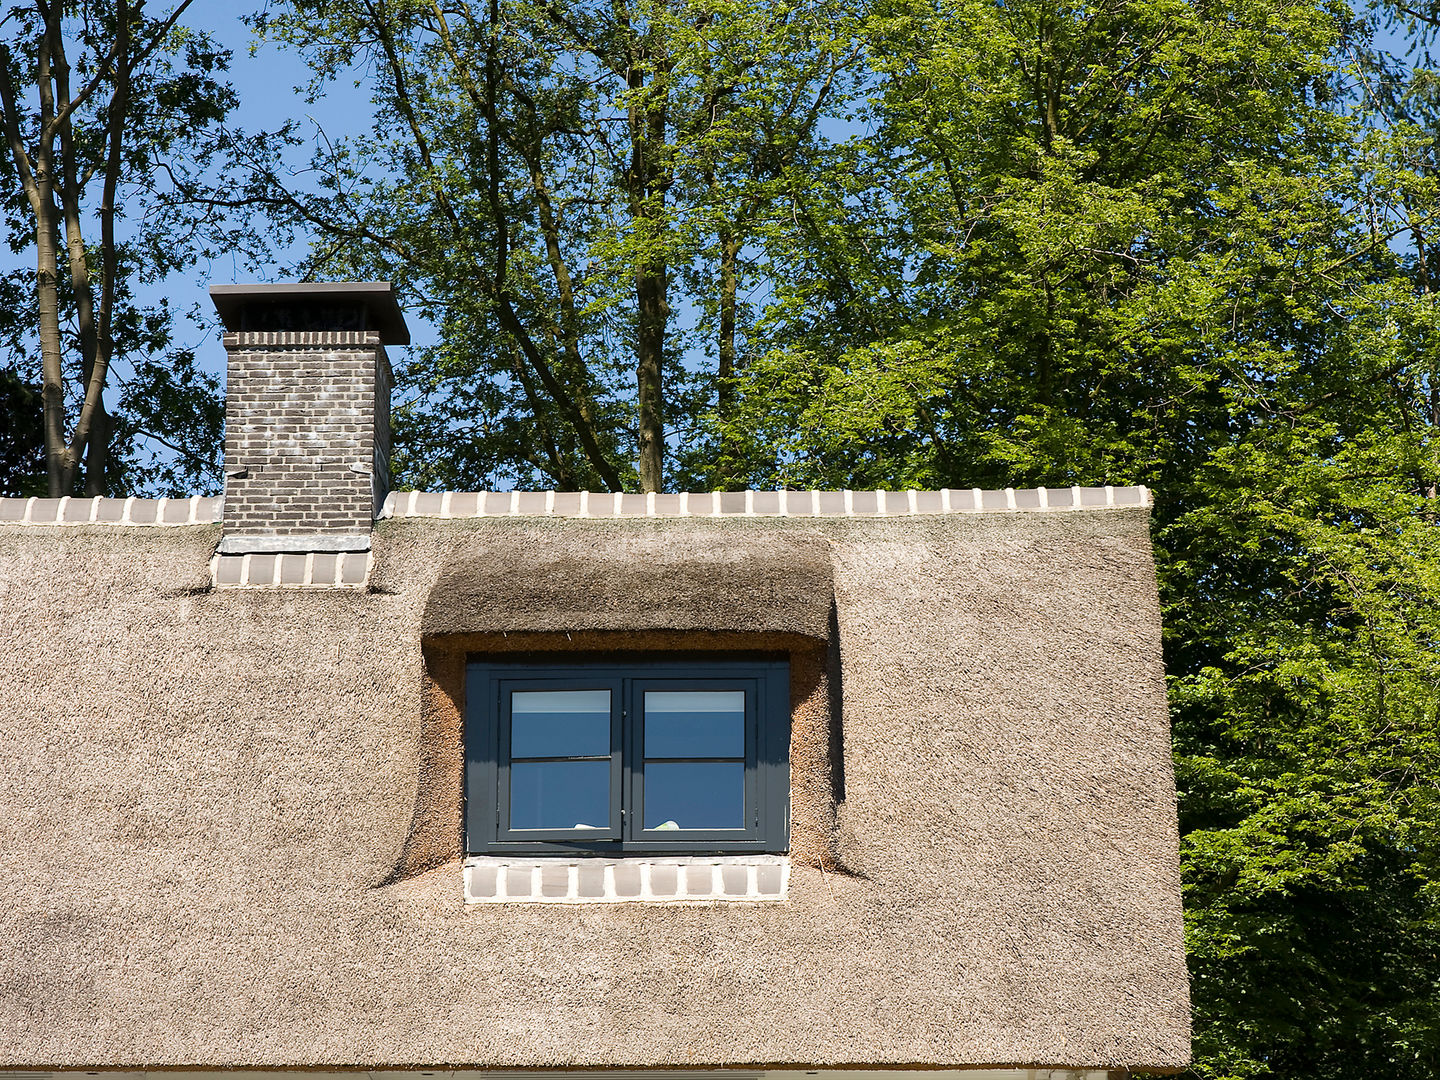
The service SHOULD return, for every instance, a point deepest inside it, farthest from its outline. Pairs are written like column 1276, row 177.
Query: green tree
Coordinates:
column 99, row 101
column 569, row 189
column 1151, row 242
column 22, row 438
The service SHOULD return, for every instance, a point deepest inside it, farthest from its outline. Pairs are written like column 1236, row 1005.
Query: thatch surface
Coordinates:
column 628, row 579
column 205, row 790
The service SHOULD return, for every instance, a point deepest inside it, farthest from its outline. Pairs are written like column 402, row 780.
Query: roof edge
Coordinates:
column 206, row 510
column 781, row 503
column 100, row 510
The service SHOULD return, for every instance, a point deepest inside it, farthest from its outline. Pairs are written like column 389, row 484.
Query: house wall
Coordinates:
column 229, row 816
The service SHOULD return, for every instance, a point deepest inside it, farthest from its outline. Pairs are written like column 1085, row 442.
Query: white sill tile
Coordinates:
column 690, row 879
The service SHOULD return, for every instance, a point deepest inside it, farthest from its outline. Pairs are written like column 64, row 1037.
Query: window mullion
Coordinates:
column 622, row 748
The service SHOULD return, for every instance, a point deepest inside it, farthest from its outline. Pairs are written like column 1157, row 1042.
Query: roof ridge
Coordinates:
column 103, row 510
column 783, row 502
column 848, row 502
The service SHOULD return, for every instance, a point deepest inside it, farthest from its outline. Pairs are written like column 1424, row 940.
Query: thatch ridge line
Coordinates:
column 100, row 510
column 207, row 510
column 755, row 503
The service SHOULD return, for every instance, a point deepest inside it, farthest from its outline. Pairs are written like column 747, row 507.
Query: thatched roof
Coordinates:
column 677, row 580
column 212, row 799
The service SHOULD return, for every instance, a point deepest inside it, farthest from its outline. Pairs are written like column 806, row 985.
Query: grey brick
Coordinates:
column 1027, row 499
column 592, row 879
column 928, row 502
column 567, row 502
column 766, row 502
column 554, row 880
column 994, row 500
column 1060, row 496
column 262, row 570
column 227, row 569
column 893, row 502
column 79, row 509
column 735, row 880
column 863, row 502
column 44, row 510
column 427, row 503
column 301, row 412
column 627, row 879
column 352, row 568
column 700, row 503
column 799, row 503
column 663, row 881
column 322, row 570
column 532, row 503
column 518, row 881
column 602, row 504
column 732, row 502
column 464, row 503
column 632, row 504
column 292, row 569
column 699, row 880
column 481, row 880
column 1092, row 496
column 12, row 509
column 768, row 880
column 497, row 502
column 110, row 510
column 667, row 505
column 174, row 511
column 832, row 503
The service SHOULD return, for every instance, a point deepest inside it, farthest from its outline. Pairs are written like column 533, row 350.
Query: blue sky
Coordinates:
column 265, row 82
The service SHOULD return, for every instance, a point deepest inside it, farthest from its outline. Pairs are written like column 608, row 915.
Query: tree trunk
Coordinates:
column 47, row 299
column 648, row 122
column 47, row 270
column 97, row 451
column 725, row 376
column 92, row 429
column 650, row 292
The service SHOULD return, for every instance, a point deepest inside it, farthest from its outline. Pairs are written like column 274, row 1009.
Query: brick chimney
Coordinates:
column 307, row 413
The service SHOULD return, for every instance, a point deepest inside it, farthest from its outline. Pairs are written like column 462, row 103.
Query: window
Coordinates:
column 652, row 757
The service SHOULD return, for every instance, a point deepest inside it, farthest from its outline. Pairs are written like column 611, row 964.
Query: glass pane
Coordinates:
column 695, row 795
column 560, row 795
column 559, row 723
column 694, row 723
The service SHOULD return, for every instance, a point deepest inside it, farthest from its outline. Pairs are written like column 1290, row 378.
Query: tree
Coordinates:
column 571, row 188
column 119, row 99
column 22, row 438
column 1142, row 242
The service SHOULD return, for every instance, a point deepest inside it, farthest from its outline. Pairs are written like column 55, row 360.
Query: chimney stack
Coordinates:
column 307, row 413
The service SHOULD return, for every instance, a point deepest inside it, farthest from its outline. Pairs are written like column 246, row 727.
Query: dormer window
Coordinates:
column 663, row 756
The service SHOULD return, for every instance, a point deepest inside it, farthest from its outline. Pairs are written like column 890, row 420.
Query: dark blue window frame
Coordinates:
column 766, row 818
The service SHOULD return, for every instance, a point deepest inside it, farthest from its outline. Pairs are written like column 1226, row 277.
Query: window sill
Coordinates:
column 686, row 879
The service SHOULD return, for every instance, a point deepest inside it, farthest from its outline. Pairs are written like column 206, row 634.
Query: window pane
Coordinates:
column 560, row 795
column 695, row 795
column 694, row 723
column 559, row 723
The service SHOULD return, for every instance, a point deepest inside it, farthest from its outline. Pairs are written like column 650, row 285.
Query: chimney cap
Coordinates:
column 312, row 305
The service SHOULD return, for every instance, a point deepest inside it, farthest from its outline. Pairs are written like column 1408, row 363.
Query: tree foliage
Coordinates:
column 22, row 437
column 102, row 101
column 566, row 187
column 1176, row 244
